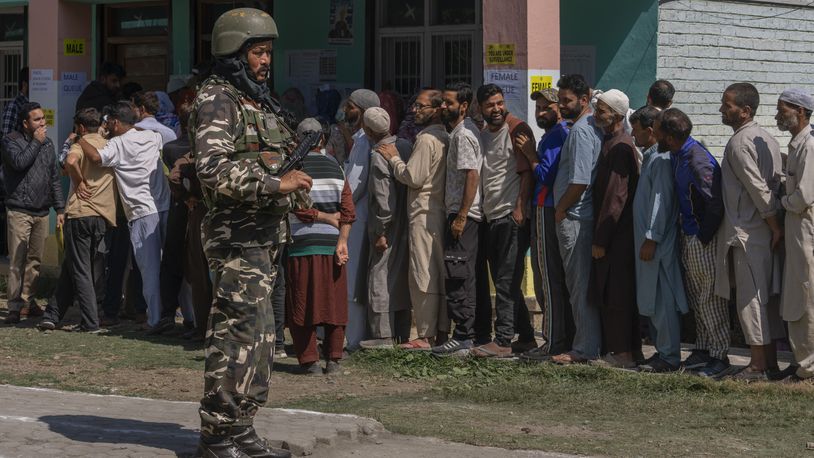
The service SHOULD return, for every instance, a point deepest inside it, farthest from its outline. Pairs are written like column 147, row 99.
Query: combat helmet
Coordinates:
column 235, row 27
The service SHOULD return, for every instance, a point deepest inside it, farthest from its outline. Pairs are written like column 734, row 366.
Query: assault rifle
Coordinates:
column 308, row 142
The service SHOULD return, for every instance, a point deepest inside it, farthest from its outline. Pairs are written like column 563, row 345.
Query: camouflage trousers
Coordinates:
column 239, row 339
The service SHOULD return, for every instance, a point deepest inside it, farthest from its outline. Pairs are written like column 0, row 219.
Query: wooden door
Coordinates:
column 145, row 63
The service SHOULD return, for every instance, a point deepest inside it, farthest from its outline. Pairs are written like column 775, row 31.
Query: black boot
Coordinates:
column 252, row 445
column 219, row 448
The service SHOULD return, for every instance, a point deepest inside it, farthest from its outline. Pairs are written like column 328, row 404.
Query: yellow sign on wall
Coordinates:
column 500, row 54
column 74, row 46
column 49, row 116
column 540, row 82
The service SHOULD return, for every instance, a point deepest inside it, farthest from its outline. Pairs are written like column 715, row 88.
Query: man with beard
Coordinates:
column 751, row 172
column 357, row 168
column 239, row 143
column 424, row 175
column 546, row 262
column 659, row 287
column 462, row 201
column 388, row 312
column 573, row 214
column 794, row 109
column 104, row 90
column 32, row 188
column 507, row 185
column 697, row 180
column 613, row 279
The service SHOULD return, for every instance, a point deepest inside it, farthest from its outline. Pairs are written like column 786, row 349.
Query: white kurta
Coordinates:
column 356, row 170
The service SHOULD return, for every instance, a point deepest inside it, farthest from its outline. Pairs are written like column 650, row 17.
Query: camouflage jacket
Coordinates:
column 228, row 129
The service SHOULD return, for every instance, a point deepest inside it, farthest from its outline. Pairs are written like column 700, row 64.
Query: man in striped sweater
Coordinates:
column 316, row 281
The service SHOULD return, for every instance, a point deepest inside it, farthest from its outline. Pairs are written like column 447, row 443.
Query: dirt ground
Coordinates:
column 125, row 362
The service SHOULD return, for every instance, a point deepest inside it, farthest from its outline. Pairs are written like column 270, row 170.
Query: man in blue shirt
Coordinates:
column 573, row 214
column 697, row 178
column 546, row 262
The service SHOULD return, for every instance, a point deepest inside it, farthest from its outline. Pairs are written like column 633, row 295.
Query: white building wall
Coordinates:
column 705, row 45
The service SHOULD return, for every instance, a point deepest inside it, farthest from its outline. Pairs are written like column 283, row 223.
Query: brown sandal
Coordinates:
column 416, row 345
column 569, row 358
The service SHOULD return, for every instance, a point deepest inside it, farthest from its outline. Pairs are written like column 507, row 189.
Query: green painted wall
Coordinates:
column 304, row 25
column 625, row 36
column 181, row 45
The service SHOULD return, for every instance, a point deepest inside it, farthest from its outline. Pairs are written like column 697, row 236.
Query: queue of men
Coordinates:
column 623, row 223
column 628, row 217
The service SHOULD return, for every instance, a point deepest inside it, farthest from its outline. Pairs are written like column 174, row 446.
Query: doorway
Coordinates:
column 137, row 38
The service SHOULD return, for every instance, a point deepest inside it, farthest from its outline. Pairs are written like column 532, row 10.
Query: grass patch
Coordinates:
column 581, row 409
column 585, row 410
column 125, row 348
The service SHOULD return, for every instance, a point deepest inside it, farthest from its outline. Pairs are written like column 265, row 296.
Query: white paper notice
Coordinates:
column 43, row 90
column 513, row 83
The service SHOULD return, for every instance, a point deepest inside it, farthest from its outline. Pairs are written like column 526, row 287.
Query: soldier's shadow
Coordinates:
column 116, row 432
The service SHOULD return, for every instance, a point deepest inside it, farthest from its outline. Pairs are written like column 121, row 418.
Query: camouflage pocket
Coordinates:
column 271, row 161
column 242, row 283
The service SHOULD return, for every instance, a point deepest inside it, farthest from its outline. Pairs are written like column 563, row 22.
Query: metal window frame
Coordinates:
column 427, row 32
column 14, row 47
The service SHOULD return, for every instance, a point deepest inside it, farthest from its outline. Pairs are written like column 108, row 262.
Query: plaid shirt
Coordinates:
column 11, row 113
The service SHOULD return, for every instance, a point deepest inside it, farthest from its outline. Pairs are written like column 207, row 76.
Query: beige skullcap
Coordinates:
column 616, row 100
column 377, row 120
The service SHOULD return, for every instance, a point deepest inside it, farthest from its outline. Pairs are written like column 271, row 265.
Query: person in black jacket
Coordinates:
column 32, row 186
column 104, row 91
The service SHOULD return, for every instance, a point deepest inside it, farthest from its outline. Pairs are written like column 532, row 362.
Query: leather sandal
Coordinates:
column 416, row 345
column 569, row 358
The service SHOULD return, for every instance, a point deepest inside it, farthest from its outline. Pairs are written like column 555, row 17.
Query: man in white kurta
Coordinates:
column 357, row 168
column 794, row 115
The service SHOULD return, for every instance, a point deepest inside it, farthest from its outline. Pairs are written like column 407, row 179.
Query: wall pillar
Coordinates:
column 59, row 50
column 60, row 59
column 521, row 41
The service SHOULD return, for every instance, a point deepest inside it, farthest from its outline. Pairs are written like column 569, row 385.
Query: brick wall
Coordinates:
column 705, row 45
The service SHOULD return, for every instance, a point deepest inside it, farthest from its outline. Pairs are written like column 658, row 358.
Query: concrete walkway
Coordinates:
column 42, row 422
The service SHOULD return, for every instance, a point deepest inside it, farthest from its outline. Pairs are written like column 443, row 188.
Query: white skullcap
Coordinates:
column 799, row 97
column 616, row 100
column 377, row 120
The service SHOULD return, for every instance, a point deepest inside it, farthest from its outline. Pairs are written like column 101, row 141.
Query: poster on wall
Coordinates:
column 539, row 79
column 340, row 27
column 71, row 85
column 513, row 84
column 310, row 69
column 500, row 54
column 43, row 90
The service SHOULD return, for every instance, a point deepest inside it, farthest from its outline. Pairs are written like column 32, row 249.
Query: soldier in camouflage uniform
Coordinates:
column 239, row 144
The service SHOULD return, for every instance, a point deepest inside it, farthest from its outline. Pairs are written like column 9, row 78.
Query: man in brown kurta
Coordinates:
column 794, row 115
column 613, row 274
column 424, row 174
column 750, row 180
